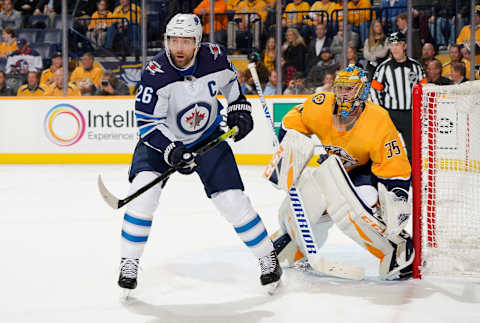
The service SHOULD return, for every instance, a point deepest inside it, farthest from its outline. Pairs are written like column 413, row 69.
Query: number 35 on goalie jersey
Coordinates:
column 373, row 138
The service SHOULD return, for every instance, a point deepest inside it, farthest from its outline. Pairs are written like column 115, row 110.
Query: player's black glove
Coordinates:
column 240, row 115
column 178, row 156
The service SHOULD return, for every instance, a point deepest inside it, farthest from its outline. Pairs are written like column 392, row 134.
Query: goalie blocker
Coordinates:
column 330, row 197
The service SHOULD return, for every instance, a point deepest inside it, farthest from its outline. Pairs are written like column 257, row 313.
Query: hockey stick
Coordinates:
column 117, row 203
column 301, row 218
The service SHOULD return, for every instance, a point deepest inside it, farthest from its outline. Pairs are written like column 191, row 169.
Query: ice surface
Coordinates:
column 60, row 255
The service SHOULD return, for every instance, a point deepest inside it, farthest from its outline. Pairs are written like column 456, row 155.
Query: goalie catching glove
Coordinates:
column 178, row 156
column 240, row 115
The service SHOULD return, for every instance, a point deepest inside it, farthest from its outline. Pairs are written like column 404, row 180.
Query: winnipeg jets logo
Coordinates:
column 347, row 160
column 194, row 118
column 214, row 50
column 154, row 67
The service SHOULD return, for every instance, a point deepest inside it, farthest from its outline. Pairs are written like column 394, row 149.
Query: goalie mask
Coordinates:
column 183, row 25
column 351, row 88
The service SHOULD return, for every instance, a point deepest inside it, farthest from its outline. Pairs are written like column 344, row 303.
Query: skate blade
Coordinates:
column 273, row 288
column 126, row 295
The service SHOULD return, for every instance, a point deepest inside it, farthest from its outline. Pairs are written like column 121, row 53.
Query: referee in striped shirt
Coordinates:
column 392, row 86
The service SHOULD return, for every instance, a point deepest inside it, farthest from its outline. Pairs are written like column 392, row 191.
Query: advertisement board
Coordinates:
column 103, row 130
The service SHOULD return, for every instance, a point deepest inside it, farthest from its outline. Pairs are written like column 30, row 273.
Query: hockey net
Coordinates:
column 446, row 179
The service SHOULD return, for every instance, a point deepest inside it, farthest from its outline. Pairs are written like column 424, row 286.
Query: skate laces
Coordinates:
column 268, row 263
column 129, row 267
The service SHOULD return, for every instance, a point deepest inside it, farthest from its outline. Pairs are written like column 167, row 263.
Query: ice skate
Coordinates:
column 128, row 274
column 271, row 272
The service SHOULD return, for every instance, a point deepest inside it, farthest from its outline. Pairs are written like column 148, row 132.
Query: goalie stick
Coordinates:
column 301, row 218
column 116, row 203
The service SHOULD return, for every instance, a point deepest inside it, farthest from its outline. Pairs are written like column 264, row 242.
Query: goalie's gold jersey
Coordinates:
column 373, row 137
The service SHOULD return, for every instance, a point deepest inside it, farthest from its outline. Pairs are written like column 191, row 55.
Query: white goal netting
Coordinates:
column 447, row 136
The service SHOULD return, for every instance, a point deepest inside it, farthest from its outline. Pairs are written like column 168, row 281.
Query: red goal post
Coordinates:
column 446, row 179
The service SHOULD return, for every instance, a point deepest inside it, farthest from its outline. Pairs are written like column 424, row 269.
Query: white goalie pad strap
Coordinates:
column 396, row 211
column 348, row 211
column 289, row 160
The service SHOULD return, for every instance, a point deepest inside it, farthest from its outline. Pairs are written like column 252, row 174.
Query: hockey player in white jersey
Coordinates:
column 177, row 110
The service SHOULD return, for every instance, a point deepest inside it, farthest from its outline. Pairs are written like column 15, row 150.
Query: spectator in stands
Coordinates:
column 8, row 45
column 28, row 7
column 390, row 10
column 327, row 64
column 242, row 80
column 24, row 59
column 271, row 87
column 132, row 13
column 57, row 88
column 359, row 16
column 111, row 85
column 428, row 54
column 294, row 50
column 249, row 83
column 220, row 21
column 402, row 26
column 33, row 86
column 87, row 76
column 9, row 17
column 455, row 56
column 4, row 89
column 459, row 73
column 97, row 29
column 327, row 85
column 466, row 31
column 262, row 70
column 297, row 85
column 47, row 77
column 337, row 42
column 233, row 4
column 375, row 49
column 337, row 13
column 249, row 25
column 352, row 58
column 299, row 20
column 269, row 54
column 434, row 73
column 316, row 45
column 324, row 5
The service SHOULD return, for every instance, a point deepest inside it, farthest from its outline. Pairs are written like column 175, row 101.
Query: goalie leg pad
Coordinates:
column 348, row 211
column 288, row 162
column 137, row 220
column 236, row 207
column 314, row 207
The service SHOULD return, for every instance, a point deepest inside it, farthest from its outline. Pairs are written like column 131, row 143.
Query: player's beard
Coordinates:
column 182, row 60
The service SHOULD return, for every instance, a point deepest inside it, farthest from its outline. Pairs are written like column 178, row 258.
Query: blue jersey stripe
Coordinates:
column 146, row 129
column 142, row 116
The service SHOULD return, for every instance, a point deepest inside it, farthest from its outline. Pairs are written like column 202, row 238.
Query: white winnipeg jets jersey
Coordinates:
column 174, row 107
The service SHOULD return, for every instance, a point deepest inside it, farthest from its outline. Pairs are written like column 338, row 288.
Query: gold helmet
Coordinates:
column 351, row 88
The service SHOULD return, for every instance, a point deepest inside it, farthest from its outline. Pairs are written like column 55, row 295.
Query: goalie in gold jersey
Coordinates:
column 343, row 189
